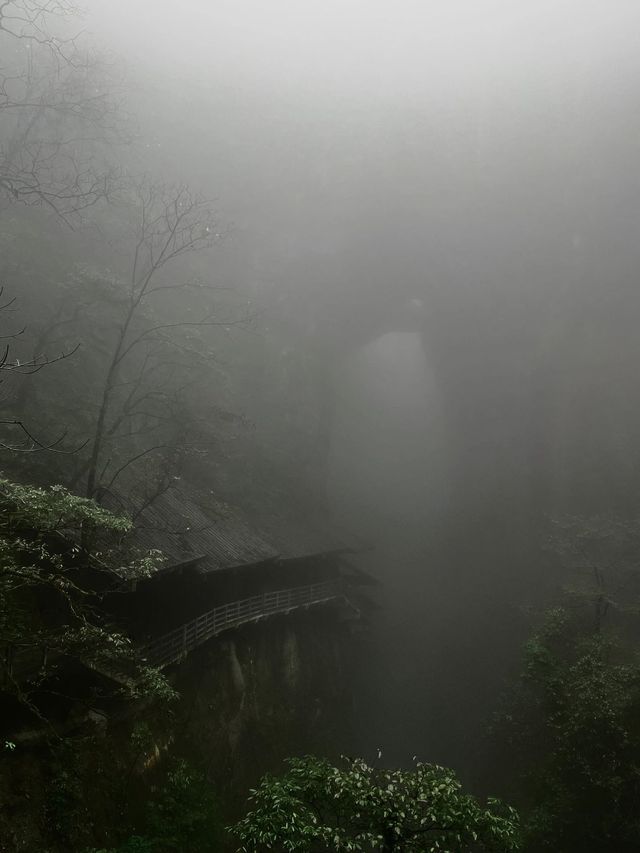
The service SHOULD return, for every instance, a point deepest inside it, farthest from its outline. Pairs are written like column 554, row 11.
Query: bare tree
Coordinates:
column 30, row 20
column 58, row 107
column 18, row 437
column 57, row 104
column 151, row 363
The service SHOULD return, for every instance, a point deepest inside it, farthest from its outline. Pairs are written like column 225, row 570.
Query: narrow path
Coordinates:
column 22, row 663
column 176, row 644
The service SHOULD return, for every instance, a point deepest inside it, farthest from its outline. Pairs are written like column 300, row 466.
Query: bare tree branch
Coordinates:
column 172, row 223
column 60, row 93
column 29, row 443
column 33, row 444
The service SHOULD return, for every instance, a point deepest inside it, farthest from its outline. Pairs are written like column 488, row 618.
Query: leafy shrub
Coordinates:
column 574, row 726
column 184, row 813
column 318, row 806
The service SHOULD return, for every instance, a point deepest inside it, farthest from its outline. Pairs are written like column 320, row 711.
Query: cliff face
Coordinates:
column 267, row 692
column 248, row 700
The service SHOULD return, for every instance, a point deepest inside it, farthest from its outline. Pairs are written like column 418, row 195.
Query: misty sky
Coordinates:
column 381, row 48
column 294, row 110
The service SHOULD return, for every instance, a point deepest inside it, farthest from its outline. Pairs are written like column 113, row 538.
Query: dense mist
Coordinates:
column 342, row 272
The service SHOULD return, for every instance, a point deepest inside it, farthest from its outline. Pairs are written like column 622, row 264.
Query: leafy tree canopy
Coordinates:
column 51, row 510
column 45, row 558
column 355, row 807
column 573, row 724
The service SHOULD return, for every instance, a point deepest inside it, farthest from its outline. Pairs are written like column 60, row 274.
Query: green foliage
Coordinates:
column 66, row 811
column 44, row 557
column 575, row 726
column 575, row 720
column 52, row 510
column 355, row 807
column 184, row 813
column 134, row 844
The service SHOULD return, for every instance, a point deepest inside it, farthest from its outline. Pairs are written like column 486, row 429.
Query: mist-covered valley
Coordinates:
column 319, row 426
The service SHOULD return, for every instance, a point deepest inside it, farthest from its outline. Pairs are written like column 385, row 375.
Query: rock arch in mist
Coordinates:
column 527, row 394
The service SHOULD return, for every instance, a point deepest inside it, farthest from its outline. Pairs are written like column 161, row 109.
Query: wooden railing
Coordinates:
column 21, row 663
column 174, row 645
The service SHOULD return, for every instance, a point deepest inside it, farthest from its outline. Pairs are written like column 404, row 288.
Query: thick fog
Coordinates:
column 431, row 210
column 463, row 172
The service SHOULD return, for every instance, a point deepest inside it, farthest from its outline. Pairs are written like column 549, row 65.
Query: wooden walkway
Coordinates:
column 175, row 645
column 22, row 663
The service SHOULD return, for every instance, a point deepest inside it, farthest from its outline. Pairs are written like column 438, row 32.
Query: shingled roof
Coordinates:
column 192, row 528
